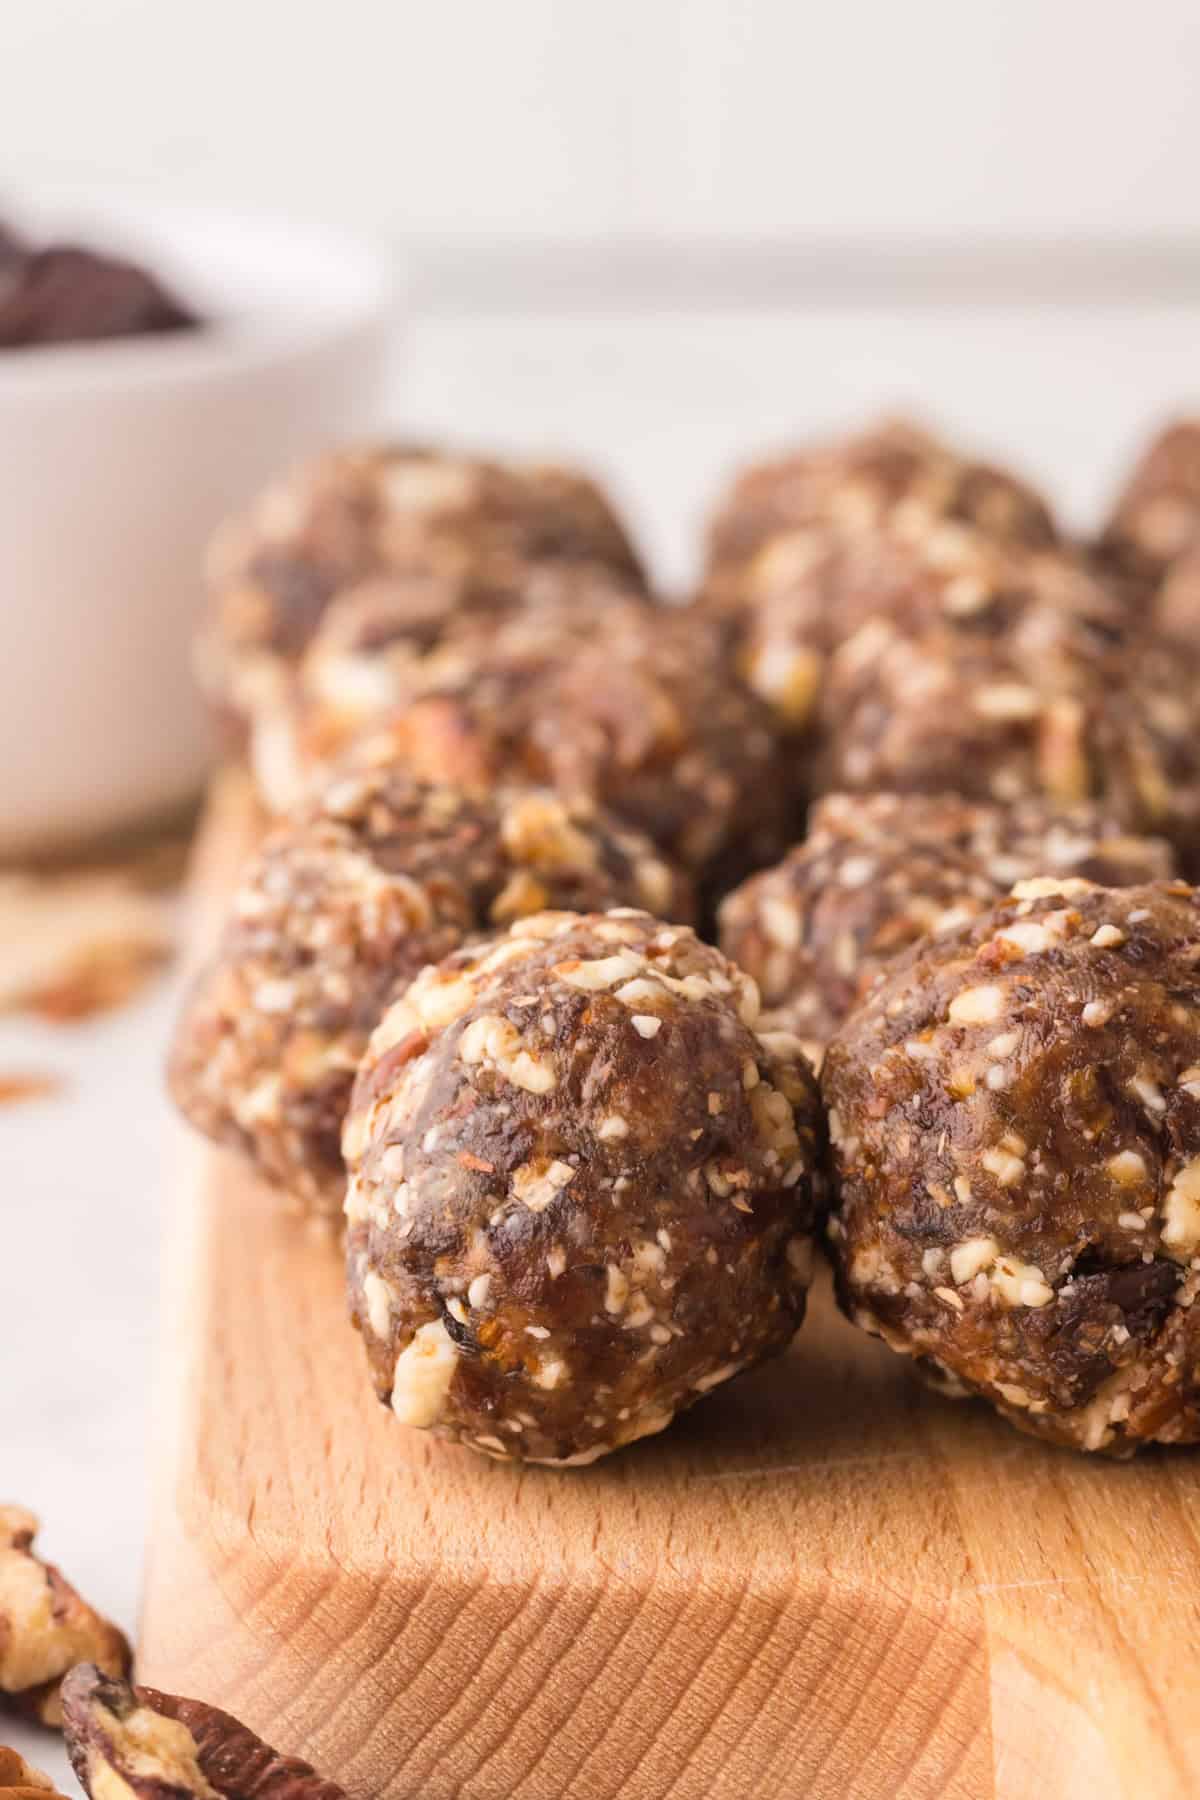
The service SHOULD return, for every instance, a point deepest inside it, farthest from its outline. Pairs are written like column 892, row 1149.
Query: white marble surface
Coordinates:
column 664, row 403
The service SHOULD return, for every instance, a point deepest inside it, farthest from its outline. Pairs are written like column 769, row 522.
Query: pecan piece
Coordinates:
column 143, row 1745
column 19, row 1780
column 45, row 1626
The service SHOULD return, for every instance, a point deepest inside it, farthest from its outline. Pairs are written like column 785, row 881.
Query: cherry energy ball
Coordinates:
column 856, row 484
column 878, row 872
column 1015, row 1119
column 452, row 527
column 335, row 916
column 583, row 1188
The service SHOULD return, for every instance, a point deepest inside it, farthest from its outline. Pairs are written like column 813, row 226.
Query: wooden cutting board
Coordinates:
column 823, row 1583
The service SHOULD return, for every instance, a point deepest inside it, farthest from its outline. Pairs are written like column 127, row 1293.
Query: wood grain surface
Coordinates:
column 822, row 1583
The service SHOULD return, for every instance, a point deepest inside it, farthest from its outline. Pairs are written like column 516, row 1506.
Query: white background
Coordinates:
column 569, row 119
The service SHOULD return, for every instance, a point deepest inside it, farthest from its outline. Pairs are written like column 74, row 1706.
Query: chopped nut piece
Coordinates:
column 45, row 1626
column 135, row 1741
column 1181, row 1211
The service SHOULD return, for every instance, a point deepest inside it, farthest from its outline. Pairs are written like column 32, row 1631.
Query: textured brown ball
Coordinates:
column 879, row 872
column 890, row 471
column 1045, row 710
column 336, row 915
column 445, row 531
column 1156, row 517
column 372, row 655
column 632, row 706
column 1015, row 1121
column 583, row 1188
column 812, row 590
column 1175, row 611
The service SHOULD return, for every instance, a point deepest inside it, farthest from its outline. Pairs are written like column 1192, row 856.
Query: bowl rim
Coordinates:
column 370, row 292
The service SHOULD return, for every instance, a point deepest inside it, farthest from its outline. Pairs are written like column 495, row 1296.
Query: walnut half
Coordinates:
column 45, row 1626
column 20, row 1781
column 133, row 1743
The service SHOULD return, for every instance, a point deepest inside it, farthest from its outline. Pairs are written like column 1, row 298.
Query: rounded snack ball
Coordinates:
column 440, row 523
column 878, row 872
column 1156, row 517
column 809, row 591
column 1015, row 1124
column 335, row 916
column 1044, row 710
column 382, row 645
column 1176, row 608
column 634, row 707
column 892, row 472
column 583, row 1189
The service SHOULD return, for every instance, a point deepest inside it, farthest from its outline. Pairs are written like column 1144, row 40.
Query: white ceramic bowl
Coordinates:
column 116, row 462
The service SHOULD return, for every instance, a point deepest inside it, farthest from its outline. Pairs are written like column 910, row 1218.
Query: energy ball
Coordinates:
column 632, row 706
column 451, row 526
column 335, row 916
column 1044, row 709
column 583, row 1187
column 1015, row 1122
column 879, row 872
column 1175, row 611
column 1156, row 517
column 811, row 590
column 892, row 470
column 382, row 644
